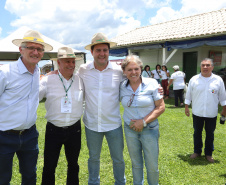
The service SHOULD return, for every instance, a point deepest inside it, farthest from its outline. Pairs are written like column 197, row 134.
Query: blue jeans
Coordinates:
column 116, row 146
column 26, row 148
column 144, row 146
column 55, row 138
column 210, row 126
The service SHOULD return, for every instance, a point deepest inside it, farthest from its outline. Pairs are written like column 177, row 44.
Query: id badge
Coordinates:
column 66, row 105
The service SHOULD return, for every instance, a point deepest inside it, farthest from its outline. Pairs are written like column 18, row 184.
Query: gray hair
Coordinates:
column 131, row 58
column 207, row 59
column 24, row 45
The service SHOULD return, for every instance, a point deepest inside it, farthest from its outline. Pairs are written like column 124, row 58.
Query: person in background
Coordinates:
column 64, row 107
column 178, row 81
column 165, row 76
column 146, row 72
column 142, row 106
column 156, row 73
column 205, row 91
column 18, row 106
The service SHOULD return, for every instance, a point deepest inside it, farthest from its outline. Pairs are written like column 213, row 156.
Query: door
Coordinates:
column 190, row 64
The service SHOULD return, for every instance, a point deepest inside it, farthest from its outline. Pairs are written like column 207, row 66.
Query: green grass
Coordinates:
column 176, row 145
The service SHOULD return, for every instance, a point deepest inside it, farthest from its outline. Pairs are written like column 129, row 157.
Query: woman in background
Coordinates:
column 156, row 73
column 146, row 72
column 165, row 75
column 142, row 106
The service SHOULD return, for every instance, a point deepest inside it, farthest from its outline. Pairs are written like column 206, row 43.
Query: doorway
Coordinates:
column 190, row 64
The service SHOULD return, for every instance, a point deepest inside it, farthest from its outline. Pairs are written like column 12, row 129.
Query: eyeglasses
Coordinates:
column 33, row 49
column 207, row 65
column 130, row 100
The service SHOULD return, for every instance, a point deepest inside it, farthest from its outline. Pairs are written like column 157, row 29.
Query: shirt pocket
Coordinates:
column 213, row 89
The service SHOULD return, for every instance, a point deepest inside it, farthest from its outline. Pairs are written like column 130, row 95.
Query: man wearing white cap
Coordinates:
column 64, row 108
column 102, row 114
column 178, row 81
column 19, row 89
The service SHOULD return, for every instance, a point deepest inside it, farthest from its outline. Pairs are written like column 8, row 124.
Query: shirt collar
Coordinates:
column 144, row 82
column 200, row 76
column 72, row 78
column 109, row 66
column 22, row 68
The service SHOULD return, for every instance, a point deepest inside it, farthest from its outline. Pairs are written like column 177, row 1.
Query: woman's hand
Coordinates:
column 137, row 125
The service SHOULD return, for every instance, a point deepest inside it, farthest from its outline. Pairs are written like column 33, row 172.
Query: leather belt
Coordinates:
column 19, row 132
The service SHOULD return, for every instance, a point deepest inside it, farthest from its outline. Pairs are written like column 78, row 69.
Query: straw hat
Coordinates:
column 100, row 38
column 176, row 67
column 66, row 52
column 35, row 37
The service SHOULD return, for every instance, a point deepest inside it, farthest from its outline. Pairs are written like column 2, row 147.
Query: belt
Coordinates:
column 65, row 127
column 19, row 132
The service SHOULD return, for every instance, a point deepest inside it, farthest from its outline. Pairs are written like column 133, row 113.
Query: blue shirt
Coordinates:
column 19, row 90
column 143, row 100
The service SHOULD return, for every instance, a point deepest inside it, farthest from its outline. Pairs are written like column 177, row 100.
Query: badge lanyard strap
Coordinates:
column 66, row 90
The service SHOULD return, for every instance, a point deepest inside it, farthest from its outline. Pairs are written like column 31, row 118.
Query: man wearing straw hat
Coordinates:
column 19, row 89
column 102, row 115
column 64, row 108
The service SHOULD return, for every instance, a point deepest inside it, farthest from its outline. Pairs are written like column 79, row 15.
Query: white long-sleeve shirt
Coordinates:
column 18, row 96
column 102, row 111
column 205, row 95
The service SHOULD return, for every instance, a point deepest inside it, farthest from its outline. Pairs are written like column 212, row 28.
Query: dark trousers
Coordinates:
column 210, row 125
column 25, row 146
column 164, row 86
column 55, row 137
column 178, row 94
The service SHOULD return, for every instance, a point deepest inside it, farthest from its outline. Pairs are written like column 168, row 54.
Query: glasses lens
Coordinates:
column 32, row 49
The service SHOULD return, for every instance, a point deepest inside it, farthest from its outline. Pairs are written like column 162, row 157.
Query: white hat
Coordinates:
column 176, row 67
column 100, row 38
column 35, row 37
column 66, row 52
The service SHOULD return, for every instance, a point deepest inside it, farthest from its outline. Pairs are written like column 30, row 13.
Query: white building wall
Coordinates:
column 154, row 57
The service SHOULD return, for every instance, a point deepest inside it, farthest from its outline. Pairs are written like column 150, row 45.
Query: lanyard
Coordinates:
column 66, row 90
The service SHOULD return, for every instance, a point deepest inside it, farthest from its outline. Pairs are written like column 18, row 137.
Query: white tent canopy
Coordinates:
column 10, row 52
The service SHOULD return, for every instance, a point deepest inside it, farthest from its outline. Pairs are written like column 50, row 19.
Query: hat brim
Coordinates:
column 76, row 58
column 18, row 42
column 112, row 44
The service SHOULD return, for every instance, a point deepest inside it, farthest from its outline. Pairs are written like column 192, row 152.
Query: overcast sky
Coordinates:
column 74, row 22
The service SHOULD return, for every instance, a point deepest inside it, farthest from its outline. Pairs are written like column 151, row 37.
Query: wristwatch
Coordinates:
column 144, row 123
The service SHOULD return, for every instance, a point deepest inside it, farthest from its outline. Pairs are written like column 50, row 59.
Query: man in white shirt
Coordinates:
column 101, row 80
column 19, row 84
column 205, row 91
column 64, row 107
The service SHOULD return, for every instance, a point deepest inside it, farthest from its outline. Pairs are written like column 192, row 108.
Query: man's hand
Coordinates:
column 160, row 90
column 52, row 72
column 187, row 112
